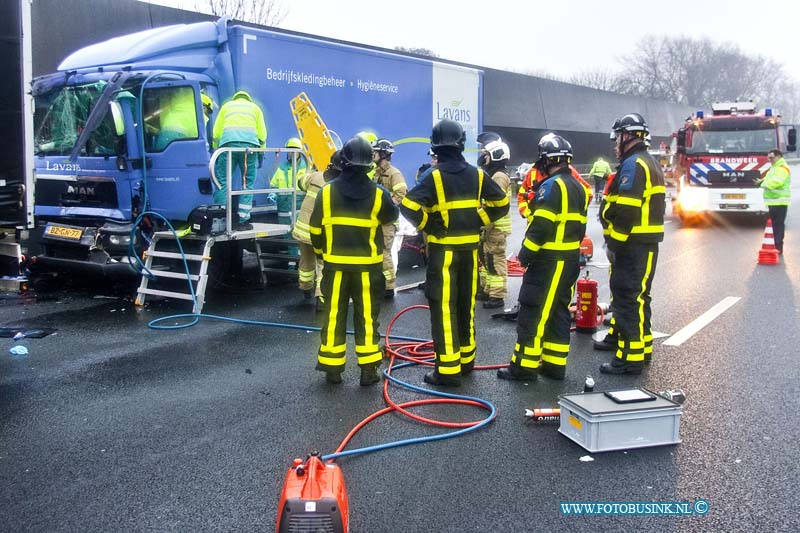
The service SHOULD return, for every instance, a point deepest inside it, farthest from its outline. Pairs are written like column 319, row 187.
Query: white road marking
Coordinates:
column 700, row 322
column 409, row 286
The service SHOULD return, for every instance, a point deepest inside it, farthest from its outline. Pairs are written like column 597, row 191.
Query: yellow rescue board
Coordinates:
column 313, row 132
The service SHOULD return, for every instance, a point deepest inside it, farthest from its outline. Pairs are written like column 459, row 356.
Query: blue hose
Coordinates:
column 195, row 318
column 420, row 440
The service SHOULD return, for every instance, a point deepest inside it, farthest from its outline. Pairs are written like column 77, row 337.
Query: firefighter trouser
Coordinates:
column 631, row 281
column 365, row 288
column 494, row 274
column 451, row 284
column 543, row 324
column 309, row 270
column 389, row 268
column 247, row 165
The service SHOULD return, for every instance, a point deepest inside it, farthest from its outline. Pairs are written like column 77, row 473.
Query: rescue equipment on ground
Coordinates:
column 586, row 308
column 314, row 498
column 622, row 419
column 768, row 254
column 314, row 495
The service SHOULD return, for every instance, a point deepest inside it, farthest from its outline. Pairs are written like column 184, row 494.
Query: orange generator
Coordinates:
column 314, row 498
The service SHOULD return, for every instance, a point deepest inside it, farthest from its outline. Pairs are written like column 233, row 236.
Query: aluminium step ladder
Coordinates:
column 200, row 277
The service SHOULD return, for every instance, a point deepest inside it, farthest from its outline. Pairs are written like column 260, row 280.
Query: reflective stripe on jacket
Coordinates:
column 240, row 120
column 776, row 184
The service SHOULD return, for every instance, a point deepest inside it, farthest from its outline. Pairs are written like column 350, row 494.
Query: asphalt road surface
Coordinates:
column 110, row 426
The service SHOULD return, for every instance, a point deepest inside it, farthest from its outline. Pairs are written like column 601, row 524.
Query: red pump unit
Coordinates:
column 586, row 311
column 314, row 498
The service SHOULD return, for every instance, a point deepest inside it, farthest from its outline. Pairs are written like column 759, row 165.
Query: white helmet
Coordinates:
column 497, row 150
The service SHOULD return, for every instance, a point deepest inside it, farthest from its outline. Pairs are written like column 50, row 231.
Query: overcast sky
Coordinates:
column 563, row 37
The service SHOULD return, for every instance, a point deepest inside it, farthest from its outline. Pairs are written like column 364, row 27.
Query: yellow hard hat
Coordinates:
column 207, row 101
column 367, row 136
column 294, row 142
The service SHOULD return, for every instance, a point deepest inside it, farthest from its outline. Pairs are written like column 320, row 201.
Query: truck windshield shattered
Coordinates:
column 60, row 117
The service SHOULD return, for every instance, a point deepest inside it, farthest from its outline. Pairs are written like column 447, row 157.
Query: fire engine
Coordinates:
column 721, row 158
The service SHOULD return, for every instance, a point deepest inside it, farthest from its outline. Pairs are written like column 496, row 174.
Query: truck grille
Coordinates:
column 733, row 178
column 79, row 193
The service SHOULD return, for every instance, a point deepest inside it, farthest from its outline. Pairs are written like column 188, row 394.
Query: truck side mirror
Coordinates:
column 791, row 146
column 681, row 148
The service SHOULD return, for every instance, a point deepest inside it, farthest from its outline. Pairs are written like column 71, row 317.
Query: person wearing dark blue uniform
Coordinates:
column 633, row 225
column 550, row 253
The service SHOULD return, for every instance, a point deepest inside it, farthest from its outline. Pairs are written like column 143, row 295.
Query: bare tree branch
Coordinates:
column 263, row 12
column 418, row 51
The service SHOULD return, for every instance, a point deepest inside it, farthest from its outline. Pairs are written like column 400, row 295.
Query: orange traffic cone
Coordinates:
column 768, row 254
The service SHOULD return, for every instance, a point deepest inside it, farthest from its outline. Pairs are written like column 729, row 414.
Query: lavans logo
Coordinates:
column 62, row 166
column 453, row 111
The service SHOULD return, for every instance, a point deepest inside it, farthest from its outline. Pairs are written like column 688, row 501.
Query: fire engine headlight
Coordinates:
column 693, row 199
column 119, row 240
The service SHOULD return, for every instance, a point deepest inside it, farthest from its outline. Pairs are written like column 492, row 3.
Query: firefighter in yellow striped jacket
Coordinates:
column 345, row 230
column 450, row 204
column 633, row 225
column 391, row 179
column 493, row 159
column 310, row 268
column 550, row 253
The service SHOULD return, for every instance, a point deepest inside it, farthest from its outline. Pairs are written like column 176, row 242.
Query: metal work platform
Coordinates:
column 200, row 278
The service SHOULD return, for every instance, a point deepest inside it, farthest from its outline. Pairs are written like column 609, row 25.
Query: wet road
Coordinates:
column 108, row 425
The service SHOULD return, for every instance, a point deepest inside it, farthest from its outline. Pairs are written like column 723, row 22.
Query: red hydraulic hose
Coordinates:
column 419, row 353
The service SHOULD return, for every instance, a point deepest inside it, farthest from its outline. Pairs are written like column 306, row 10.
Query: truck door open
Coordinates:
column 176, row 147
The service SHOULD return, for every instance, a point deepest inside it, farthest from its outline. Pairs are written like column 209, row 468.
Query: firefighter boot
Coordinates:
column 552, row 371
column 369, row 375
column 618, row 366
column 331, row 376
column 494, row 303
column 607, row 344
column 435, row 378
column 515, row 372
column 467, row 368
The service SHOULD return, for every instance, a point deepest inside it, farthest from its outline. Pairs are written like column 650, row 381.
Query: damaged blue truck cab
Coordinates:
column 120, row 128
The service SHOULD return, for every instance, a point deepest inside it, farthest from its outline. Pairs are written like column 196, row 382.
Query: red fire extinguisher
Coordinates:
column 586, row 305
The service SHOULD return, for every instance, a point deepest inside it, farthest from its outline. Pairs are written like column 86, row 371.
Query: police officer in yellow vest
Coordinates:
column 310, row 268
column 240, row 123
column 493, row 159
column 776, row 185
column 550, row 253
column 345, row 230
column 450, row 204
column 633, row 221
column 390, row 178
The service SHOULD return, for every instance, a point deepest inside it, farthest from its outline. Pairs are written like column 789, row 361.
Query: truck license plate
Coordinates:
column 733, row 196
column 66, row 233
